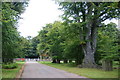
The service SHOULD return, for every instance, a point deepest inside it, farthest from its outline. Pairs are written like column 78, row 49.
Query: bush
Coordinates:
column 9, row 66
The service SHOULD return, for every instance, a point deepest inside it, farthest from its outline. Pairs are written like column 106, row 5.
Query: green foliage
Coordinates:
column 79, row 11
column 77, row 35
column 63, row 42
column 11, row 73
column 9, row 66
column 60, row 41
column 107, row 41
column 29, row 48
column 54, row 57
column 50, row 40
column 42, row 47
column 91, row 15
column 71, row 45
column 11, row 39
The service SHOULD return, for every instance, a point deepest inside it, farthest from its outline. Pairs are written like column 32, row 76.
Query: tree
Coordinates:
column 10, row 35
column 54, row 40
column 42, row 47
column 61, row 42
column 90, row 14
column 72, row 49
column 34, row 42
column 50, row 41
column 107, row 46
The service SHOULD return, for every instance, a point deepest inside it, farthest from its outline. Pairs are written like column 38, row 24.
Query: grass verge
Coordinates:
column 12, row 73
column 90, row 73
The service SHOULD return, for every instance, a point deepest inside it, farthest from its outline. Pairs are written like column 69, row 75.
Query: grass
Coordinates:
column 20, row 62
column 90, row 73
column 11, row 73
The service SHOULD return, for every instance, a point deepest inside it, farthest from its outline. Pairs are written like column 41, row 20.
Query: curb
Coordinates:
column 20, row 73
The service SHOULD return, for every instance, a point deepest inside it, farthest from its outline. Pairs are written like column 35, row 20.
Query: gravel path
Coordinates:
column 37, row 70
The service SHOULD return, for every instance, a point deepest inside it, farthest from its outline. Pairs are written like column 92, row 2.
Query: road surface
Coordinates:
column 34, row 69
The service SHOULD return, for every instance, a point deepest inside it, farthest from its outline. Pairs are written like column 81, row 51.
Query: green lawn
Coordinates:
column 90, row 73
column 11, row 73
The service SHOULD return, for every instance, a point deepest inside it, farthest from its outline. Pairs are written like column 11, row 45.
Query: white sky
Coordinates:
column 38, row 14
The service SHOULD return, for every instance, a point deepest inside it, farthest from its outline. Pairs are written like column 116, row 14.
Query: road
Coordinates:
column 34, row 69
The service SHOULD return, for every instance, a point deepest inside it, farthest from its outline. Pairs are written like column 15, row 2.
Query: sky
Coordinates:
column 38, row 14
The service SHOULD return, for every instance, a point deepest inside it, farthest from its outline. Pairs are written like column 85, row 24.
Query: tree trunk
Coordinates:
column 54, row 61
column 7, row 60
column 65, row 61
column 58, row 61
column 70, row 61
column 78, row 61
column 79, row 56
column 89, row 61
column 89, row 48
column 107, row 65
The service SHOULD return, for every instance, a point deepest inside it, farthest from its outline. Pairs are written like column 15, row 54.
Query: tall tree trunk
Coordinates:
column 90, row 47
column 88, row 61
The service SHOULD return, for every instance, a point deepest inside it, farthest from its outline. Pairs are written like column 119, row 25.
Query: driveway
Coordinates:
column 34, row 69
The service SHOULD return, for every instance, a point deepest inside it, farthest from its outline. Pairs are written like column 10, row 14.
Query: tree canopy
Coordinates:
column 11, row 38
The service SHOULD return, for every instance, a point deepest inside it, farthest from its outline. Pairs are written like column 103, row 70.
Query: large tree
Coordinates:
column 91, row 15
column 10, row 36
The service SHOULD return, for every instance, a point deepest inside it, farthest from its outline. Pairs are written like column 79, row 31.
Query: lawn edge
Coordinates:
column 74, row 73
column 66, row 71
column 19, row 74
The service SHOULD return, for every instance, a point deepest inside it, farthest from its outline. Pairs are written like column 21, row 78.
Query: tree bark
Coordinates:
column 7, row 60
column 70, row 61
column 79, row 56
column 65, row 61
column 90, row 47
column 107, row 65
column 78, row 61
column 54, row 61
column 58, row 61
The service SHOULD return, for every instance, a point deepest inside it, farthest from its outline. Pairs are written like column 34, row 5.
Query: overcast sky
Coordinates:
column 37, row 14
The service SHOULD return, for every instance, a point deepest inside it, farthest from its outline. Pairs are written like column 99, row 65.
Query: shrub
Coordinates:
column 9, row 66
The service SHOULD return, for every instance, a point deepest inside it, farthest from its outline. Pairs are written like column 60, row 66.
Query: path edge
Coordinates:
column 19, row 74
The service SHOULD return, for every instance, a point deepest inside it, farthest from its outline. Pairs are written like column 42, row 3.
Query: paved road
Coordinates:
column 36, row 70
